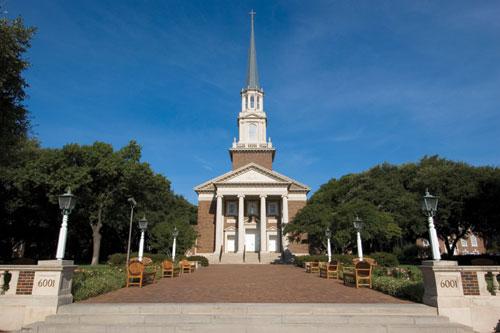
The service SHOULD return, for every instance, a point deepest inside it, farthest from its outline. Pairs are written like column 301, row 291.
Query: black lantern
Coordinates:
column 175, row 233
column 143, row 223
column 358, row 223
column 429, row 204
column 328, row 233
column 67, row 201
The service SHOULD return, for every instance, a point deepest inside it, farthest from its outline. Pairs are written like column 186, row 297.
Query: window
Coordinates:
column 252, row 102
column 473, row 241
column 252, row 208
column 463, row 242
column 258, row 102
column 272, row 209
column 252, row 132
column 246, row 102
column 231, row 208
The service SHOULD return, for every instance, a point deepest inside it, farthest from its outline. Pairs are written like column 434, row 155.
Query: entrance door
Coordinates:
column 230, row 243
column 250, row 241
column 271, row 245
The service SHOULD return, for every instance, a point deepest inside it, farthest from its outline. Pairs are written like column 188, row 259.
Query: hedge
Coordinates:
column 91, row 281
column 411, row 290
column 119, row 259
column 385, row 259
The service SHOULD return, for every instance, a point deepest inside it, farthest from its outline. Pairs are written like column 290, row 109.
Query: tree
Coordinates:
column 14, row 122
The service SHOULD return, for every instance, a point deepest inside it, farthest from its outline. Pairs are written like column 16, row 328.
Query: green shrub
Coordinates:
column 119, row 259
column 385, row 259
column 91, row 281
column 203, row 260
column 344, row 259
column 411, row 290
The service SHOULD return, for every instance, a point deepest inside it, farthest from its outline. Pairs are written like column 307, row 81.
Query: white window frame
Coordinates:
column 463, row 242
column 231, row 208
column 473, row 241
column 270, row 211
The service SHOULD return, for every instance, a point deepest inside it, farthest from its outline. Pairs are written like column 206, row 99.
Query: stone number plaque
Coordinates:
column 449, row 283
column 46, row 283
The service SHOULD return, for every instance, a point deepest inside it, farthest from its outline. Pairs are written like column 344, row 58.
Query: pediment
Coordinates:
column 252, row 176
column 252, row 173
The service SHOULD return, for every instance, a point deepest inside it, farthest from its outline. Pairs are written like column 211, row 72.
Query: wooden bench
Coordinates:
column 169, row 269
column 186, row 267
column 137, row 274
column 330, row 270
column 361, row 275
column 312, row 267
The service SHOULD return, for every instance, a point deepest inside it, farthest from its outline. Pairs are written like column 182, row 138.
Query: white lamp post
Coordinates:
column 358, row 225
column 429, row 207
column 67, row 202
column 133, row 203
column 175, row 233
column 143, row 225
column 328, row 234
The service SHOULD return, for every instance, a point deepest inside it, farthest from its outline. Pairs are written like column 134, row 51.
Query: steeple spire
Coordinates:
column 252, row 73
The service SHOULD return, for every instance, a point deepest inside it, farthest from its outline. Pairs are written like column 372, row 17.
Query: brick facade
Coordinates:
column 297, row 247
column 262, row 158
column 206, row 226
column 470, row 283
column 25, row 283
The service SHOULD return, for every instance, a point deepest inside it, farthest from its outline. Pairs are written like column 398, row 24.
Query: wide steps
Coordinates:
column 238, row 317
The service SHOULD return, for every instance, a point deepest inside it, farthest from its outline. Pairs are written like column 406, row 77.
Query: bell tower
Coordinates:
column 252, row 144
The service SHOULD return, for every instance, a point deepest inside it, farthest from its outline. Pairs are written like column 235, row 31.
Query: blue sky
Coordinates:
column 348, row 84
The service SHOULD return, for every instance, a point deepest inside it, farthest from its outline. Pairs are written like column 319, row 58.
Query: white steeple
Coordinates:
column 252, row 120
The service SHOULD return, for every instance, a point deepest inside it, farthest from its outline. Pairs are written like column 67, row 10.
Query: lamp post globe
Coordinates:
column 358, row 225
column 175, row 233
column 143, row 225
column 429, row 208
column 67, row 202
column 328, row 234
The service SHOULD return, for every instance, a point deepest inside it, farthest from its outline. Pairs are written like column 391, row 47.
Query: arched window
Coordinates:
column 252, row 105
column 473, row 241
column 252, row 132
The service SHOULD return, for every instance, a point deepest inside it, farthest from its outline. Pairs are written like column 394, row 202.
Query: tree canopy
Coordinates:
column 388, row 198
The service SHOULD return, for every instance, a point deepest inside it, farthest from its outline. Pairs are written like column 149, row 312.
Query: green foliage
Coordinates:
column 344, row 259
column 203, row 260
column 15, row 40
column 411, row 290
column 90, row 281
column 388, row 199
column 162, row 239
column 119, row 259
column 385, row 259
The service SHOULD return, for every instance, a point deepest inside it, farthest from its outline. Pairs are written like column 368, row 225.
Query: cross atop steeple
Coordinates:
column 252, row 73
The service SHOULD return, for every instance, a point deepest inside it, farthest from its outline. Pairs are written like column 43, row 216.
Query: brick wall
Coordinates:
column 25, row 283
column 262, row 158
column 302, row 246
column 470, row 283
column 206, row 226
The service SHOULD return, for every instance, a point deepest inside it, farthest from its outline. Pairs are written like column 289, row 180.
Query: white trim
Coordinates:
column 297, row 197
column 206, row 197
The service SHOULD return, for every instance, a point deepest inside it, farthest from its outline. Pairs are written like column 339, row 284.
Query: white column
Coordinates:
column 174, row 248
column 63, row 232
column 329, row 250
column 241, row 226
column 284, row 219
column 218, row 224
column 436, row 255
column 141, row 246
column 263, row 224
column 360, row 247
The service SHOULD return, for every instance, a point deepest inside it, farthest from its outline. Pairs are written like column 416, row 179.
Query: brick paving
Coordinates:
column 246, row 284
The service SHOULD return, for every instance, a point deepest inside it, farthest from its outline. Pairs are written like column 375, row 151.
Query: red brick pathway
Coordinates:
column 246, row 284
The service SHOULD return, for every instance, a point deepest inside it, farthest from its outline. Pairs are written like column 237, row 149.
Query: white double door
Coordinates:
column 251, row 241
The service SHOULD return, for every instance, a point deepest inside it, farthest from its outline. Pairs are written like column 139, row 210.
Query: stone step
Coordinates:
column 246, row 317
column 125, row 319
column 250, row 308
column 251, row 328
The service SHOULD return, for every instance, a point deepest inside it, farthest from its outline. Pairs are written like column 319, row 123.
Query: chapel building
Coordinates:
column 241, row 214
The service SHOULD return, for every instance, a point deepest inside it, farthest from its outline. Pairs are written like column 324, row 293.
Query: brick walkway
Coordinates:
column 246, row 284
